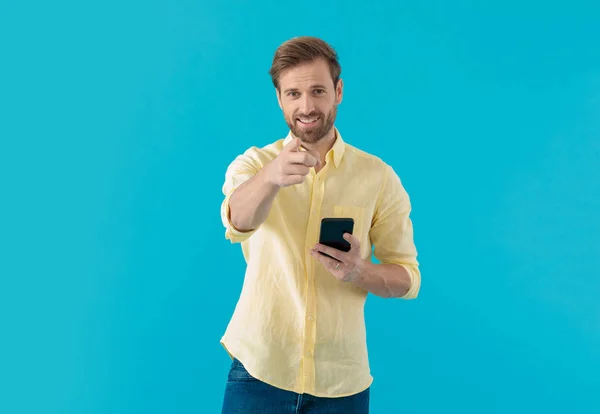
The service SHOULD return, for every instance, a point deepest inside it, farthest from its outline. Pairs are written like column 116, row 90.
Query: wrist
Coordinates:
column 361, row 270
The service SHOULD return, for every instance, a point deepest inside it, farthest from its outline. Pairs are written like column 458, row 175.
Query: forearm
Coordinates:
column 385, row 280
column 250, row 203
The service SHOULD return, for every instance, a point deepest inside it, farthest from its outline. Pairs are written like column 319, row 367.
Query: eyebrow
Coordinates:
column 317, row 86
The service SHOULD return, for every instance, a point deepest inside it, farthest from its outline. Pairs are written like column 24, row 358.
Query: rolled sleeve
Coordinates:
column 392, row 231
column 238, row 172
column 415, row 281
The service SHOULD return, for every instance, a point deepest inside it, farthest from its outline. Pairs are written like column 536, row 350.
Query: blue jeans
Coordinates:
column 248, row 395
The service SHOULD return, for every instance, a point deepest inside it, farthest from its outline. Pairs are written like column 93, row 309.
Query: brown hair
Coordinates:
column 301, row 50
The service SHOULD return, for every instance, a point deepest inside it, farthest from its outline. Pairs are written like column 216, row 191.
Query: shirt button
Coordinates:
column 309, row 353
column 310, row 318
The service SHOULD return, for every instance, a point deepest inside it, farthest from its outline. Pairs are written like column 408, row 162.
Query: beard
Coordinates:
column 314, row 133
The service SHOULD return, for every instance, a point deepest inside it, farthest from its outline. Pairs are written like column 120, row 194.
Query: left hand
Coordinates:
column 344, row 266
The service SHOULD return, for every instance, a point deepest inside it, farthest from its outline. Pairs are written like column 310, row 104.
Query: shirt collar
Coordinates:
column 337, row 151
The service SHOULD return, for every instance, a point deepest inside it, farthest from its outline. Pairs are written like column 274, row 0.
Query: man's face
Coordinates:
column 309, row 100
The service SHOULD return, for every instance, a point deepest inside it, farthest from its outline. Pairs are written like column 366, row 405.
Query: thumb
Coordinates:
column 352, row 239
column 294, row 144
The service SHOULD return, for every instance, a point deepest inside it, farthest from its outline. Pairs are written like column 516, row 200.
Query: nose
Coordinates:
column 306, row 104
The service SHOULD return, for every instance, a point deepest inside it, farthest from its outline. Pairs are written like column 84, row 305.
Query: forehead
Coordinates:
column 306, row 74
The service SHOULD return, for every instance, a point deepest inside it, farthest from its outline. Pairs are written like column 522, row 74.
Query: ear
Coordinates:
column 278, row 98
column 339, row 91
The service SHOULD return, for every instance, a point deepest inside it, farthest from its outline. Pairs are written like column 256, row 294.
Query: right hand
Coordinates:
column 291, row 165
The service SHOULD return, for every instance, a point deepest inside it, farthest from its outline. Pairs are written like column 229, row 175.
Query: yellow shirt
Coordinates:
column 295, row 325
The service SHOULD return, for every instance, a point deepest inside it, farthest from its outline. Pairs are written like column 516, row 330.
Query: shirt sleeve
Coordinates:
column 392, row 231
column 242, row 168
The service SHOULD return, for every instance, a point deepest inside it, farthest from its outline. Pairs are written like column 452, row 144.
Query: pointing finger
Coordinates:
column 303, row 158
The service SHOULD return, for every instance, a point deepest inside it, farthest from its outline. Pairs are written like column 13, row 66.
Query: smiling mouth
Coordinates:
column 308, row 121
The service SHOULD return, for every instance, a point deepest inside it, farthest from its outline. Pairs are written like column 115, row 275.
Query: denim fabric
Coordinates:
column 245, row 394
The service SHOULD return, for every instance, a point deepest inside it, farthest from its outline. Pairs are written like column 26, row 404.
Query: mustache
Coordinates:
column 312, row 114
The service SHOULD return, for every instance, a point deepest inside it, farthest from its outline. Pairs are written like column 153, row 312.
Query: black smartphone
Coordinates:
column 332, row 232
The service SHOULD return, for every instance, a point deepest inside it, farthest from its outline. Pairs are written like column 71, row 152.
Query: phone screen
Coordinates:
column 332, row 232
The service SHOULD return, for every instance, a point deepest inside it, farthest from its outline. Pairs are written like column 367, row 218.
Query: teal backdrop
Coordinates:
column 118, row 119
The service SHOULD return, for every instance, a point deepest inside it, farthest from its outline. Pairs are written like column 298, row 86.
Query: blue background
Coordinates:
column 118, row 120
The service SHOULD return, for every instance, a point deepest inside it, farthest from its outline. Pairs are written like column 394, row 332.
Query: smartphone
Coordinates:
column 332, row 232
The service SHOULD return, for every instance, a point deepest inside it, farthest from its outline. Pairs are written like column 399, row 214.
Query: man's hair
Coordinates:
column 304, row 49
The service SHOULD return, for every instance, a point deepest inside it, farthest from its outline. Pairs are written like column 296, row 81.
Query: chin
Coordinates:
column 310, row 138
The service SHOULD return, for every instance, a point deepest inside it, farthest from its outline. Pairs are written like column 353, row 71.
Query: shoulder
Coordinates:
column 367, row 162
column 375, row 173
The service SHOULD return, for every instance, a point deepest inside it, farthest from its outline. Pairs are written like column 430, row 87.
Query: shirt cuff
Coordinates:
column 415, row 282
column 231, row 233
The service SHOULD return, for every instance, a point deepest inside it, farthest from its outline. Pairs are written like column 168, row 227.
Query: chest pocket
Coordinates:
column 361, row 222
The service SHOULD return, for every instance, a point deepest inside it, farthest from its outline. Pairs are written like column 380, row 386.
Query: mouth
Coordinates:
column 308, row 122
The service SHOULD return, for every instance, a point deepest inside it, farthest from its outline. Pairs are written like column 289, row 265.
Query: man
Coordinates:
column 297, row 336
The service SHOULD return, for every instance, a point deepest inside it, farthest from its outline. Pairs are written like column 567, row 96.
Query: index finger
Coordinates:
column 304, row 157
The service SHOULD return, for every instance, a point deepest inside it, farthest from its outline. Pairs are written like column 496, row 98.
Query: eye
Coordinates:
column 293, row 94
column 319, row 91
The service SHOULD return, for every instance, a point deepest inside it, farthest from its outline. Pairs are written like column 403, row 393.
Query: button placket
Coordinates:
column 308, row 374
